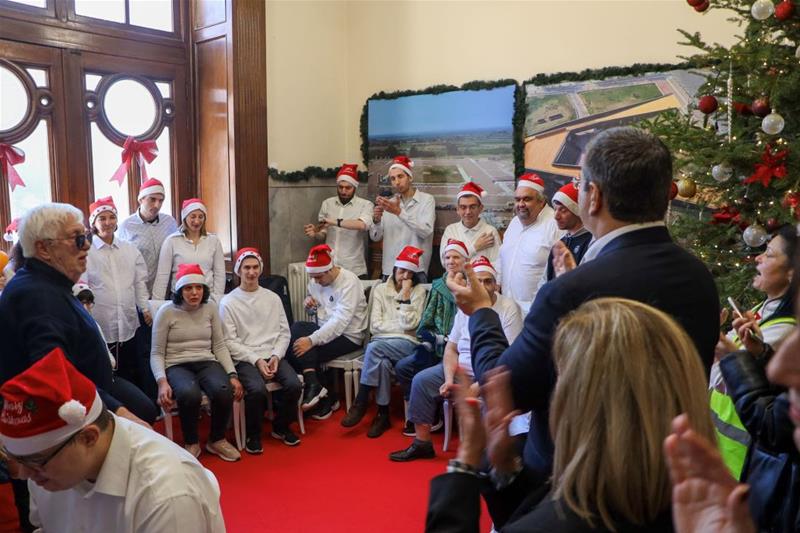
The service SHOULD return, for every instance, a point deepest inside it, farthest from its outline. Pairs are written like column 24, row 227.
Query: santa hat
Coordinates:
column 458, row 246
column 471, row 188
column 243, row 254
column 12, row 232
column 408, row 258
column 320, row 259
column 79, row 287
column 403, row 163
column 349, row 174
column 189, row 273
column 192, row 204
column 45, row 405
column 531, row 180
column 99, row 206
column 482, row 264
column 151, row 186
column 568, row 197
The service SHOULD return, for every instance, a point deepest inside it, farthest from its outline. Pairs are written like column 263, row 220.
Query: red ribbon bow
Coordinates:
column 773, row 165
column 726, row 215
column 10, row 156
column 142, row 151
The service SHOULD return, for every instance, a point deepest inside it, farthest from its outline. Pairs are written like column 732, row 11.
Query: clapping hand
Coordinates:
column 390, row 206
column 501, row 448
column 468, row 410
column 469, row 292
column 563, row 260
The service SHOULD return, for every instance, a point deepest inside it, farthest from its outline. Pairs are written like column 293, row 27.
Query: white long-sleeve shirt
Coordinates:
column 255, row 324
column 117, row 275
column 413, row 227
column 523, row 256
column 390, row 318
column 347, row 244
column 148, row 237
column 147, row 483
column 459, row 232
column 341, row 309
column 178, row 249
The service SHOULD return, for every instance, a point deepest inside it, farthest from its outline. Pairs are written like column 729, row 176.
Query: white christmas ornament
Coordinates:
column 721, row 172
column 754, row 235
column 773, row 124
column 762, row 9
column 797, row 53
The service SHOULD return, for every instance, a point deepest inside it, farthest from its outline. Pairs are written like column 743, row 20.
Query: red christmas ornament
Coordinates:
column 761, row 107
column 742, row 109
column 772, row 166
column 701, row 7
column 773, row 224
column 784, row 10
column 673, row 190
column 708, row 104
column 792, row 201
column 695, row 3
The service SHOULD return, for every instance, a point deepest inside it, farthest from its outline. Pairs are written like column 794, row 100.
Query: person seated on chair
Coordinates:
column 337, row 299
column 257, row 334
column 435, row 383
column 396, row 311
column 189, row 357
column 93, row 471
column 436, row 323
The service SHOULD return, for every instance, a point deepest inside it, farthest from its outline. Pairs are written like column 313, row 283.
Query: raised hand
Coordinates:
column 563, row 260
column 501, row 448
column 469, row 292
column 472, row 433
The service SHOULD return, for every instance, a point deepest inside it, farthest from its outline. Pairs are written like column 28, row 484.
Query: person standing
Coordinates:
column 568, row 218
column 480, row 237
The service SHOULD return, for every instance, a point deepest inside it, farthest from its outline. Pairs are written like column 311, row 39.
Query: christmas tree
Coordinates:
column 736, row 161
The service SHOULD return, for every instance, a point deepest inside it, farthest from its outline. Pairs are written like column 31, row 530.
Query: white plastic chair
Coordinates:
column 240, row 424
column 237, row 416
column 447, row 413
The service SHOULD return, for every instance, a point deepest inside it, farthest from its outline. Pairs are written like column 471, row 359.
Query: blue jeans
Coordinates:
column 408, row 367
column 379, row 359
column 425, row 395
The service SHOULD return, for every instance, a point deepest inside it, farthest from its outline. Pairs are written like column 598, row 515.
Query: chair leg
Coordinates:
column 356, row 380
column 270, row 411
column 238, row 423
column 168, row 424
column 348, row 388
column 447, row 412
column 300, row 414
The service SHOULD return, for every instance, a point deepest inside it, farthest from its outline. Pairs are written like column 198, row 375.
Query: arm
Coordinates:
column 411, row 313
column 218, row 290
column 140, row 282
column 422, row 221
column 376, row 322
column 427, row 319
column 186, row 512
column 450, row 362
column 284, row 337
column 376, row 230
column 158, row 348
column 218, row 345
column 236, row 348
column 163, row 271
column 454, row 504
column 512, row 322
column 340, row 318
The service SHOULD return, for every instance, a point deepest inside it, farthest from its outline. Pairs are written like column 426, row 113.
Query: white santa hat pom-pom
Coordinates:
column 72, row 412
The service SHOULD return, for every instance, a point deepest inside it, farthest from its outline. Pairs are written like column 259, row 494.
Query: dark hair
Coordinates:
column 103, row 420
column 17, row 257
column 633, row 170
column 788, row 233
column 177, row 296
column 86, row 296
column 416, row 278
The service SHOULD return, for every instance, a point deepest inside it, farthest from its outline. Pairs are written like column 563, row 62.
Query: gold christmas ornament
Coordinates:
column 687, row 187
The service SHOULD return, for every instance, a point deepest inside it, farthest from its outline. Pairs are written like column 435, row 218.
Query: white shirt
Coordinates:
column 390, row 318
column 341, row 309
column 148, row 238
column 458, row 231
column 147, row 484
column 255, row 324
column 523, row 256
column 117, row 275
column 178, row 249
column 597, row 245
column 347, row 244
column 413, row 227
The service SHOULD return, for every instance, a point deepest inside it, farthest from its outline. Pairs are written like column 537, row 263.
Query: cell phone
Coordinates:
column 385, row 193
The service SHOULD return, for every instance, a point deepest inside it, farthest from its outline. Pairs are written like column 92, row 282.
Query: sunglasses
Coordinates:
column 38, row 463
column 80, row 240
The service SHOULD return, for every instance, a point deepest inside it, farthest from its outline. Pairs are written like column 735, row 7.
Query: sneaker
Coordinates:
column 323, row 410
column 193, row 449
column 312, row 394
column 409, row 430
column 419, row 449
column 354, row 415
column 286, row 435
column 253, row 446
column 379, row 425
column 224, row 450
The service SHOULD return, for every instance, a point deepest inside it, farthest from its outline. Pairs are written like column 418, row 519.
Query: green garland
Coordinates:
column 608, row 72
column 307, row 173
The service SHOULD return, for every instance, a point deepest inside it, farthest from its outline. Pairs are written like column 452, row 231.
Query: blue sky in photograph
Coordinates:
column 441, row 113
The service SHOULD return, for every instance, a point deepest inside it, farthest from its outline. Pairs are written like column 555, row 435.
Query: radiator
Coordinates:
column 298, row 290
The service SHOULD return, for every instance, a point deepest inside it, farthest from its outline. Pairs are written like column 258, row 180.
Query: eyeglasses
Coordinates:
column 80, row 240
column 39, row 463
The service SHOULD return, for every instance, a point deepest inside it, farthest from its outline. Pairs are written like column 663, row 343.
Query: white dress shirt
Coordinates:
column 178, row 249
column 413, row 227
column 147, row 484
column 341, row 309
column 255, row 324
column 523, row 256
column 459, row 232
column 597, row 245
column 148, row 238
column 117, row 275
column 347, row 244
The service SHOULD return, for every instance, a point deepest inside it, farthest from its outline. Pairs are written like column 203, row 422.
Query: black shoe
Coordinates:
column 379, row 425
column 409, row 430
column 253, row 446
column 354, row 415
column 418, row 450
column 323, row 410
column 286, row 435
column 312, row 395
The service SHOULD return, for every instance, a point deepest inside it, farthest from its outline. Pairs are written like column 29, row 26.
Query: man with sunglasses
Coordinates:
column 89, row 470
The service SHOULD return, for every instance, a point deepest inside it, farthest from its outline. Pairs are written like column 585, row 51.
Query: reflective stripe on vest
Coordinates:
column 767, row 323
column 732, row 436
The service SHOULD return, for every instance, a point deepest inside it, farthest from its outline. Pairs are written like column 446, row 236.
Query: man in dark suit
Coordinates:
column 623, row 199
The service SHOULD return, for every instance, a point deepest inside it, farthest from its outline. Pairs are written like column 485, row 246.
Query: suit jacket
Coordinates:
column 644, row 265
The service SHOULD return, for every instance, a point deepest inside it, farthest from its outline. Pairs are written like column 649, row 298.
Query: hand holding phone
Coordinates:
column 753, row 333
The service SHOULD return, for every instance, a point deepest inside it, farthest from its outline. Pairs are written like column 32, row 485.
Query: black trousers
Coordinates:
column 255, row 396
column 188, row 382
column 144, row 374
column 317, row 355
column 134, row 399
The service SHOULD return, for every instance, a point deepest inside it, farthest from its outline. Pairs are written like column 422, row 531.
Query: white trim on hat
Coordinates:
column 188, row 279
column 319, row 269
column 458, row 248
column 402, row 167
column 153, row 189
column 407, row 265
column 193, row 207
column 245, row 255
column 531, row 185
column 485, row 268
column 349, row 179
column 567, row 202
column 100, row 209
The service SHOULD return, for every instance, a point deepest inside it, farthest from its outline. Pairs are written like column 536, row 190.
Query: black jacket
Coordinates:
column 577, row 244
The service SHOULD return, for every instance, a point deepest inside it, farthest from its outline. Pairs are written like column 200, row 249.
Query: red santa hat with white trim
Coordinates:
column 471, row 188
column 403, row 163
column 101, row 205
column 243, row 254
column 192, row 204
column 531, row 180
column 189, row 273
column 349, row 174
column 568, row 197
column 408, row 258
column 320, row 259
column 12, row 231
column 45, row 405
column 458, row 246
column 151, row 186
column 482, row 264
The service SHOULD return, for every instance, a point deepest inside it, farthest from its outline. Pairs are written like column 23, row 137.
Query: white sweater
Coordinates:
column 255, row 324
column 389, row 318
column 342, row 309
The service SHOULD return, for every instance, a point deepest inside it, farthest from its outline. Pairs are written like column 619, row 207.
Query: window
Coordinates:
column 152, row 14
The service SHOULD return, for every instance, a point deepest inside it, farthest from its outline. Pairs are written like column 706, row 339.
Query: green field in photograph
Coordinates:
column 602, row 100
column 547, row 111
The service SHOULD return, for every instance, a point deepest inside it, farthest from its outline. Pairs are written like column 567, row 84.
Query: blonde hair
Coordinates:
column 625, row 371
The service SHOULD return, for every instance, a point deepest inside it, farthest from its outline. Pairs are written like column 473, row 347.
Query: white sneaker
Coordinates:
column 193, row 449
column 224, row 450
